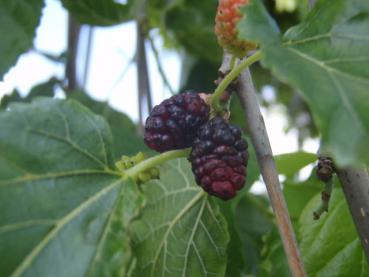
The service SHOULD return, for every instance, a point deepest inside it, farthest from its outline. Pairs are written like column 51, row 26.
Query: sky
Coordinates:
column 112, row 75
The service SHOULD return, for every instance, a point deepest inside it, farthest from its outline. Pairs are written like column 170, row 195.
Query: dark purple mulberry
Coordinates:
column 173, row 123
column 219, row 158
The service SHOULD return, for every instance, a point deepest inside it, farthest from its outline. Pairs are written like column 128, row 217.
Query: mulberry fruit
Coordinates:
column 219, row 158
column 173, row 123
column 227, row 17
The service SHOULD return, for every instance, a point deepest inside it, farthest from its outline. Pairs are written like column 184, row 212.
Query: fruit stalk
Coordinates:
column 325, row 197
column 235, row 72
column 260, row 140
column 157, row 160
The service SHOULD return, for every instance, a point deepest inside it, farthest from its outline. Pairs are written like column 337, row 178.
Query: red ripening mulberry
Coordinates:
column 173, row 123
column 219, row 158
column 226, row 19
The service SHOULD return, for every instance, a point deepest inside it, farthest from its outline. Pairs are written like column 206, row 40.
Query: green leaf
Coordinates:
column 290, row 163
column 181, row 231
column 253, row 171
column 299, row 194
column 18, row 22
column 274, row 262
column 197, row 74
column 125, row 138
column 98, row 12
column 197, row 34
column 235, row 254
column 331, row 246
column 253, row 221
column 62, row 205
column 14, row 96
column 326, row 59
column 43, row 89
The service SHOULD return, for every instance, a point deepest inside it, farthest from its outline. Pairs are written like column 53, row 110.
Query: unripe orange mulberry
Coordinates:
column 227, row 17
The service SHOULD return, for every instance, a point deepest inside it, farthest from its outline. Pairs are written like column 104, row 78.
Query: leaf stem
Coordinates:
column 236, row 70
column 156, row 160
column 233, row 62
column 326, row 196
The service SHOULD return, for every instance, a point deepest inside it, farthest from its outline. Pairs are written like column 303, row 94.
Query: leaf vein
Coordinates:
column 71, row 143
column 59, row 226
column 173, row 223
column 190, row 241
column 56, row 175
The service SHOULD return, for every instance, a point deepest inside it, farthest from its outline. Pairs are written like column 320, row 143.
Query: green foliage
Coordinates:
column 262, row 253
column 14, row 96
column 235, row 254
column 101, row 13
column 181, row 231
column 331, row 246
column 125, row 138
column 325, row 59
column 253, row 171
column 43, row 89
column 299, row 194
column 18, row 21
column 274, row 262
column 192, row 24
column 197, row 74
column 253, row 221
column 290, row 163
column 63, row 208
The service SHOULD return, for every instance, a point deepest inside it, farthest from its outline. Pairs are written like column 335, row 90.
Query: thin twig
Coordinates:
column 121, row 76
column 355, row 185
column 87, row 56
column 260, row 140
column 143, row 82
column 160, row 67
column 70, row 68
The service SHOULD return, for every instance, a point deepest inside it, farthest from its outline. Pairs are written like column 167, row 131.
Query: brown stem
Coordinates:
column 355, row 185
column 260, row 140
column 70, row 68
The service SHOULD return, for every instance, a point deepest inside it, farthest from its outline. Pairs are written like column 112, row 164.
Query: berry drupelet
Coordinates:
column 219, row 158
column 173, row 123
column 227, row 17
